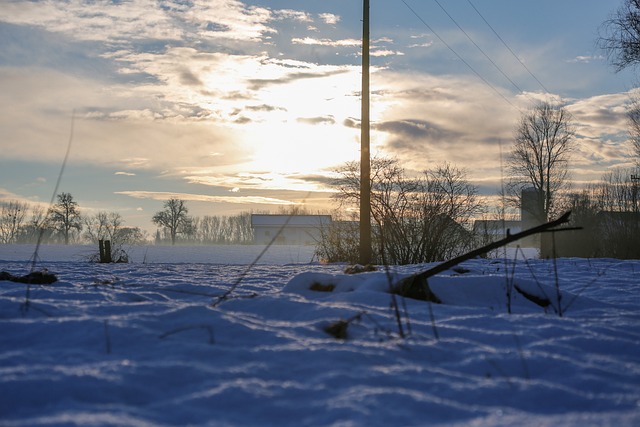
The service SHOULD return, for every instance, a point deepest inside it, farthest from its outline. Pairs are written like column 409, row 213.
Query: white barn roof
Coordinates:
column 263, row 220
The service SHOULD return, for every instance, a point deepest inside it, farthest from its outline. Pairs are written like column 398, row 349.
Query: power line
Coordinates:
column 507, row 46
column 460, row 57
column 478, row 47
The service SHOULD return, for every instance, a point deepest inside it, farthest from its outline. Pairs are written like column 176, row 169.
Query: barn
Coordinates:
column 288, row 229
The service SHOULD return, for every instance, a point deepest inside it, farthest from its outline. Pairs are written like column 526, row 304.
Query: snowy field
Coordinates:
column 188, row 336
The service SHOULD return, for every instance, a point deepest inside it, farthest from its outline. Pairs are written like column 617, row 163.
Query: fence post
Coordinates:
column 101, row 248
column 107, row 251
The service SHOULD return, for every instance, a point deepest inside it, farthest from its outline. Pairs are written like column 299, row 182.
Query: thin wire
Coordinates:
column 460, row 57
column 507, row 46
column 478, row 47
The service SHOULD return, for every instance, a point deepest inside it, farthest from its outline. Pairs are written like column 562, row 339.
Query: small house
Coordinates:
column 288, row 229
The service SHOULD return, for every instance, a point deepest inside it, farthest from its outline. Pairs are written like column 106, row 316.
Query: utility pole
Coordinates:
column 635, row 179
column 365, row 156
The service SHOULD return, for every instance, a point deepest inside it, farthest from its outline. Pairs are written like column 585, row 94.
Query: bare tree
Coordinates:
column 340, row 239
column 418, row 219
column 544, row 140
column 101, row 226
column 620, row 38
column 65, row 216
column 620, row 35
column 110, row 226
column 12, row 215
column 617, row 192
column 174, row 218
column 609, row 212
column 37, row 227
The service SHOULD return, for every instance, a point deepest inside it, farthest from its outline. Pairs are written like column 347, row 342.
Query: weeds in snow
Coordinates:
column 207, row 328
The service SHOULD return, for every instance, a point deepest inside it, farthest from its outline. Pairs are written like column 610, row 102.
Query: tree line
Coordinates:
column 176, row 226
column 21, row 222
column 63, row 223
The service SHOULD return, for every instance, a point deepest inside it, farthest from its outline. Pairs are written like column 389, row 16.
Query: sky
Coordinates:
column 239, row 106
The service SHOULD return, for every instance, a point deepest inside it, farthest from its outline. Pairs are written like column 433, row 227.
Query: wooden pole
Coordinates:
column 365, row 156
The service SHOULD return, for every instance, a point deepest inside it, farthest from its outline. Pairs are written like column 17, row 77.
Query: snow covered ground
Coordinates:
column 154, row 343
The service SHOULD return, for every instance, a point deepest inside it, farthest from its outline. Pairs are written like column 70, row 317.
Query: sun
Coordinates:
column 309, row 131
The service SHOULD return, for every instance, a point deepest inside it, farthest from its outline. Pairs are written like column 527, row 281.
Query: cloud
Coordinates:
column 317, row 120
column 293, row 14
column 601, row 115
column 385, row 52
column 187, row 78
column 9, row 196
column 264, row 107
column 329, row 18
column 125, row 173
column 120, row 22
column 327, row 42
column 135, row 162
column 414, row 129
column 586, row 59
column 285, row 78
column 265, row 181
column 162, row 195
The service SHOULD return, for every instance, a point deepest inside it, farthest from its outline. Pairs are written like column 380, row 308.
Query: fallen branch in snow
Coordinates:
column 33, row 278
column 416, row 286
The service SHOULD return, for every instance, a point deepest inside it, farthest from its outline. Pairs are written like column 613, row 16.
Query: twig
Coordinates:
column 584, row 288
column 55, row 190
column 491, row 246
column 394, row 300
column 208, row 328
column 226, row 294
column 25, row 307
column 555, row 273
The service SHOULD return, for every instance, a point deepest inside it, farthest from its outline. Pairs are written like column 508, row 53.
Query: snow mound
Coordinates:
column 490, row 291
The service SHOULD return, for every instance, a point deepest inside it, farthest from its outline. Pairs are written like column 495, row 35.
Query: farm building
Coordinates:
column 288, row 229
column 496, row 229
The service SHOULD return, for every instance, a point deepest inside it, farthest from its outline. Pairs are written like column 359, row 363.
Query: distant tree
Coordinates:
column 234, row 229
column 38, row 227
column 12, row 215
column 609, row 212
column 65, row 216
column 619, row 35
column 101, row 226
column 174, row 218
column 544, row 140
column 110, row 226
